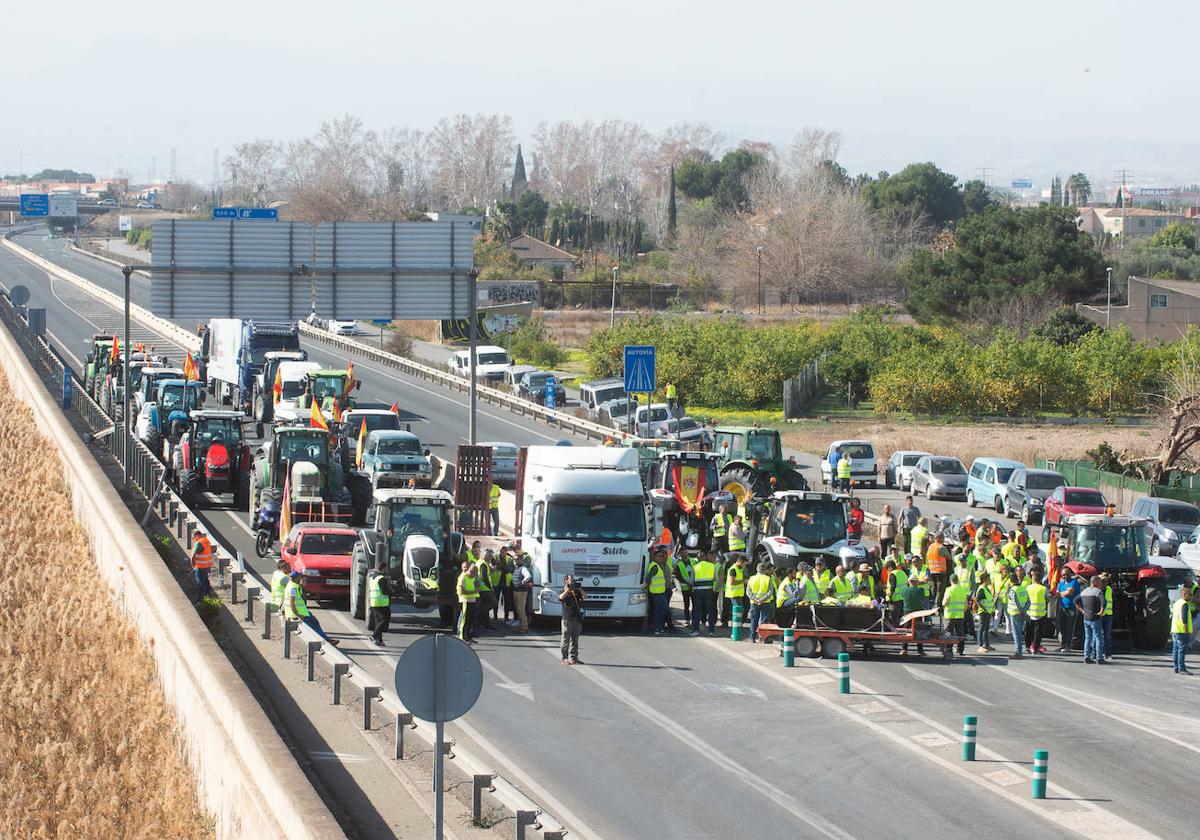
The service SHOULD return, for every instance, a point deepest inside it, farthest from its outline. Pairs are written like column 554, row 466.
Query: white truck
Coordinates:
column 233, row 352
column 584, row 514
column 293, row 376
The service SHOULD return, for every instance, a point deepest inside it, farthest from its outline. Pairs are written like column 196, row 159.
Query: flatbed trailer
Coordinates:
column 818, row 636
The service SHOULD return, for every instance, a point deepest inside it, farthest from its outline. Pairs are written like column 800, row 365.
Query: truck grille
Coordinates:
column 589, row 570
column 600, row 598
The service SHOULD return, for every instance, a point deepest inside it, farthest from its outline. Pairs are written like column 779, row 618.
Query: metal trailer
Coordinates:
column 819, row 637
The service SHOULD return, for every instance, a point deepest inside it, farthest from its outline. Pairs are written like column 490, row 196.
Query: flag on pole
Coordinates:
column 362, row 439
column 337, row 411
column 190, row 373
column 396, row 408
column 285, row 514
column 349, row 380
column 116, row 351
column 277, row 387
column 316, row 419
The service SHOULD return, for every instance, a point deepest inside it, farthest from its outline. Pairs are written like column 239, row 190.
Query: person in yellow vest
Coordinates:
column 984, row 600
column 279, row 581
column 721, row 521
column 735, row 587
column 789, row 592
column 379, row 602
column 916, row 537
column 918, row 575
column 761, row 591
column 863, row 576
column 704, row 596
column 954, row 607
column 843, row 589
column 681, row 570
column 1037, row 616
column 843, row 472
column 296, row 608
column 862, row 599
column 896, row 581
column 656, row 589
column 1181, row 628
column 1106, row 620
column 1017, row 606
column 495, row 582
column 494, row 508
column 672, row 397
column 822, row 575
column 468, row 599
column 202, row 557
column 737, row 535
column 483, row 581
column 810, row 590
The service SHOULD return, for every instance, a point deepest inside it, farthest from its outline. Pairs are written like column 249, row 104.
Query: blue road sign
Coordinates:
column 245, row 213
column 550, row 393
column 224, row 213
column 1021, row 183
column 640, row 374
column 381, row 322
column 35, row 204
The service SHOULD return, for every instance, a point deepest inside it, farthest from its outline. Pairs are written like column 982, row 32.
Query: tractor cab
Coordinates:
column 752, row 463
column 685, row 495
column 324, row 386
column 801, row 525
column 212, row 456
column 302, row 457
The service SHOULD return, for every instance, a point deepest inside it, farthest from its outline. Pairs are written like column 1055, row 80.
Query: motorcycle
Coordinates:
column 266, row 527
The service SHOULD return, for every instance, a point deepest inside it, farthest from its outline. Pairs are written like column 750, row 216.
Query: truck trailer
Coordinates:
column 233, row 352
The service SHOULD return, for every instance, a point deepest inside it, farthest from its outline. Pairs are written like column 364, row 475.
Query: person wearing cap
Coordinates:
column 1017, row 606
column 1069, row 589
column 379, row 602
column 656, row 589
column 912, row 599
column 720, row 531
column 704, row 594
column 735, row 586
column 790, row 591
column 954, row 607
column 821, row 574
column 1106, row 620
column 295, row 607
column 761, row 590
column 863, row 576
column 1181, row 628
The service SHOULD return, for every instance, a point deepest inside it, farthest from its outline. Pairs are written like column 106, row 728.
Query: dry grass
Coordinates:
column 1022, row 443
column 87, row 743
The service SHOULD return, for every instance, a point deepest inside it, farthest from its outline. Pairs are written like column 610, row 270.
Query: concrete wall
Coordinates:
column 245, row 775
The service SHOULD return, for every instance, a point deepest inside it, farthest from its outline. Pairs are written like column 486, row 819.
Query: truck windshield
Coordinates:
column 407, row 520
column 292, row 388
column 227, row 430
column 313, row 448
column 589, row 520
column 493, row 358
column 1109, row 546
column 813, row 523
column 261, row 345
column 399, row 446
column 389, row 422
column 135, row 377
column 177, row 398
column 328, row 386
column 762, row 446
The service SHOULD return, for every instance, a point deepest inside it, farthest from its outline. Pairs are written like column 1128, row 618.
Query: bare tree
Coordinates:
column 328, row 175
column 1181, row 418
column 401, row 171
column 812, row 146
column 473, row 157
column 254, row 173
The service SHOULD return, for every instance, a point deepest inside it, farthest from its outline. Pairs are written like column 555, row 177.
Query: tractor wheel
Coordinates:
column 744, row 484
column 189, row 487
column 360, row 497
column 793, row 480
column 154, row 442
column 118, row 412
column 1154, row 628
column 106, row 402
column 358, row 584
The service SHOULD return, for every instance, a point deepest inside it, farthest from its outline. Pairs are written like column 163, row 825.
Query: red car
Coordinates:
column 1068, row 501
column 321, row 552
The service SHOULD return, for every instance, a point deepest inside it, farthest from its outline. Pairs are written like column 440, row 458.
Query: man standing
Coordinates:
column 842, row 588
column 843, row 472
column 379, row 602
column 202, row 553
column 912, row 596
column 720, row 531
column 571, row 599
column 954, row 606
column 1018, row 610
column 468, row 599
column 835, row 455
column 704, row 596
column 1106, row 620
column 854, row 520
column 737, row 536
column 917, row 536
column 1036, row 590
column 279, row 581
column 762, row 596
column 1090, row 603
column 672, row 398
column 683, row 577
column 494, row 508
column 985, row 606
column 735, row 585
column 1181, row 628
column 656, row 589
column 938, row 560
column 896, row 582
column 1068, row 590
column 910, row 515
column 522, row 583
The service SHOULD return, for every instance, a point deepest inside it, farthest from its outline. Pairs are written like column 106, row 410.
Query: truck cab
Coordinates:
column 583, row 513
column 264, row 398
column 233, row 353
column 394, row 459
column 410, row 532
column 294, row 378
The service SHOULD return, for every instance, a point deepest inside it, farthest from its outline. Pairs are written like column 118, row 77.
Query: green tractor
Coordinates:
column 752, row 463
column 324, row 385
column 96, row 364
column 316, row 487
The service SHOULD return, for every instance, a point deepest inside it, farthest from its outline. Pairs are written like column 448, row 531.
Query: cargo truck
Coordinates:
column 233, row 352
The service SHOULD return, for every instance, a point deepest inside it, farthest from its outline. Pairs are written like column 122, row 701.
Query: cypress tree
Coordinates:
column 672, row 210
column 519, row 182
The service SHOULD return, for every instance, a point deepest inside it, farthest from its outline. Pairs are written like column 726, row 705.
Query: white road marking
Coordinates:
column 926, row 676
column 1120, row 829
column 817, row 678
column 873, row 707
column 521, row 689
column 326, row 755
column 762, row 653
column 1004, row 778
column 933, row 739
column 708, row 752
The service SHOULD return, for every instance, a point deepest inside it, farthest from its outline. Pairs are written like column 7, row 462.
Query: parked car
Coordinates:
column 533, row 387
column 342, row 327
column 863, row 468
column 512, row 378
column 504, row 463
column 898, row 472
column 615, row 413
column 491, row 362
column 686, row 429
column 1065, row 501
column 1026, row 491
column 1169, row 523
column 1178, row 572
column 321, row 553
column 107, row 202
column 148, row 205
column 986, row 481
column 596, row 393
column 1189, row 551
column 647, row 418
column 941, row 476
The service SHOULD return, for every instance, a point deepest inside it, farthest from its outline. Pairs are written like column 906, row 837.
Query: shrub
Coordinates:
column 530, row 345
column 400, row 343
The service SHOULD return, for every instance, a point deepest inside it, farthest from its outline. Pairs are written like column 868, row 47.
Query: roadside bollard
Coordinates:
column 313, row 648
column 843, row 673
column 1041, row 766
column 736, row 631
column 789, row 648
column 268, row 608
column 234, row 580
column 404, row 720
column 525, row 818
column 970, row 725
column 480, row 783
column 339, row 668
column 369, row 692
column 251, row 597
column 289, row 627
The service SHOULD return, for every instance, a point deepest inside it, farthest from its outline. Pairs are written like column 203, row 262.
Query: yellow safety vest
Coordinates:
column 737, row 543
column 915, row 538
column 704, row 572
column 376, row 597
column 297, row 608
column 735, row 583
column 841, row 589
column 468, row 592
column 1020, row 595
column 1037, row 600
column 985, row 599
column 655, row 578
column 760, row 586
column 683, row 568
column 811, row 595
column 897, row 580
column 494, row 497
column 721, row 523
column 1108, row 604
column 483, row 576
column 955, row 601
column 860, row 601
column 788, row 589
column 823, row 580
column 279, row 582
column 1181, row 617
column 843, row 468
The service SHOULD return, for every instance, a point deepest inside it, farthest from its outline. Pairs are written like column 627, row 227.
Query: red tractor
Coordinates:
column 1117, row 545
column 212, row 457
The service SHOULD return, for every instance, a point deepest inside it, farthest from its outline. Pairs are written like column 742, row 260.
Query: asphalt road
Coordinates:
column 675, row 737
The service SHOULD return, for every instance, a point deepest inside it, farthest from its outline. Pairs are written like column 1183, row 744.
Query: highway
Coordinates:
column 674, row 737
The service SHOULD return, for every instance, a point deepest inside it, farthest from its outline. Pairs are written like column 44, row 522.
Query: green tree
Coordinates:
column 1077, row 190
column 976, row 196
column 723, row 181
column 531, row 210
column 1003, row 252
column 1065, row 327
column 519, row 182
column 1056, row 192
column 1175, row 235
column 921, row 187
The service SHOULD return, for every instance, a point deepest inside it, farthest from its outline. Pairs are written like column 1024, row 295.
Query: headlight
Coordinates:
column 1034, row 502
column 637, row 598
column 935, row 482
column 311, row 572
column 1171, row 535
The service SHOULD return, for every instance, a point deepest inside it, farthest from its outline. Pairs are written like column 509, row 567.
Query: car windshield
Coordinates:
column 399, row 446
column 910, row 460
column 375, row 422
column 313, row 448
column 328, row 386
column 226, row 429
column 1003, row 474
column 1041, row 481
column 410, row 519
column 687, row 424
column 1179, row 515
column 493, row 358
column 813, row 523
column 261, row 345
column 327, row 543
column 603, row 395
column 1178, row 577
column 292, row 389
column 762, row 445
column 539, row 380
column 1109, row 546
column 173, row 398
column 946, row 466
column 596, row 521
column 503, row 452
column 858, row 450
column 1083, row 498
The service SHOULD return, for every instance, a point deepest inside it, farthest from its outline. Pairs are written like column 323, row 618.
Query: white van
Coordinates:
column 594, row 394
column 863, row 468
column 491, row 363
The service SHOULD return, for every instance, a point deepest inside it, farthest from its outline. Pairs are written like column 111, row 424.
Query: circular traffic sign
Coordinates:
column 19, row 295
column 439, row 678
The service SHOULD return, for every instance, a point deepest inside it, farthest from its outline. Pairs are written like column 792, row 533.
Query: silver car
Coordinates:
column 899, row 469
column 504, row 463
column 940, row 476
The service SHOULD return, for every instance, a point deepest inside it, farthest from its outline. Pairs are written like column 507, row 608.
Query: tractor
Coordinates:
column 160, row 424
column 410, row 532
column 801, row 525
column 96, row 363
column 316, row 483
column 685, row 493
column 324, row 386
column 263, row 401
column 752, row 463
column 1117, row 544
column 125, row 373
column 212, row 457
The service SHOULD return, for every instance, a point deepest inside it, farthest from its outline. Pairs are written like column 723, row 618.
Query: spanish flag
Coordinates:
column 349, row 380
column 116, row 351
column 315, row 418
column 189, row 368
column 362, row 441
column 285, row 514
column 396, row 408
column 277, row 387
column 337, row 411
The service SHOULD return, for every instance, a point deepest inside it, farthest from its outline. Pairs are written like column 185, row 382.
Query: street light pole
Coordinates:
column 1108, row 309
column 762, row 301
column 472, row 293
column 612, row 320
column 126, row 270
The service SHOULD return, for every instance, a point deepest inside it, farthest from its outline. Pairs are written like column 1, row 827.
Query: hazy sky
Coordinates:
column 1026, row 88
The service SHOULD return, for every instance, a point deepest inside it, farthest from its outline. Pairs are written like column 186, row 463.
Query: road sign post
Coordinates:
column 438, row 679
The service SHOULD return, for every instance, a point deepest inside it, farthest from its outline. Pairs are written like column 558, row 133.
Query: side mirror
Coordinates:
column 357, row 385
column 1151, row 519
column 426, row 453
